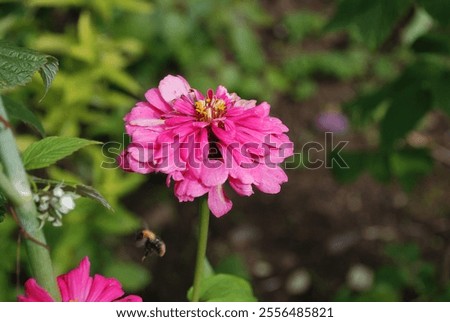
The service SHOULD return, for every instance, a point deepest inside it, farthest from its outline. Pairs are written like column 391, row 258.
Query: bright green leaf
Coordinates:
column 225, row 288
column 208, row 270
column 52, row 149
column 20, row 112
column 48, row 71
column 17, row 66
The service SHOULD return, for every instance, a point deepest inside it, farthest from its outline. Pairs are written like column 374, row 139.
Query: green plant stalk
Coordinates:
column 201, row 250
column 38, row 256
column 8, row 190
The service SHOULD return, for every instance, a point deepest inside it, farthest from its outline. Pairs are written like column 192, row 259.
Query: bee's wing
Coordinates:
column 141, row 242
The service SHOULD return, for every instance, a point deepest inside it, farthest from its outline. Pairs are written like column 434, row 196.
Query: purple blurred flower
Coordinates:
column 335, row 122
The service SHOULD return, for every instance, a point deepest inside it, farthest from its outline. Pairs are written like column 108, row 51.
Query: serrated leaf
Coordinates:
column 48, row 72
column 20, row 112
column 224, row 288
column 52, row 149
column 18, row 64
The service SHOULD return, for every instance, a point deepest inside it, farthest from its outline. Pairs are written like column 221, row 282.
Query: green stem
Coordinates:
column 8, row 190
column 38, row 256
column 201, row 249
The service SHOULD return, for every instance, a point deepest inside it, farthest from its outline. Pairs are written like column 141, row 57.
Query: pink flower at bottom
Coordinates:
column 78, row 286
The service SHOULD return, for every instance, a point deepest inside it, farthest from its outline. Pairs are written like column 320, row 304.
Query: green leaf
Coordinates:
column 132, row 276
column 433, row 42
column 441, row 93
column 17, row 66
column 233, row 265
column 48, row 71
column 410, row 165
column 363, row 109
column 373, row 21
column 224, row 288
column 92, row 193
column 50, row 150
column 405, row 111
column 20, row 112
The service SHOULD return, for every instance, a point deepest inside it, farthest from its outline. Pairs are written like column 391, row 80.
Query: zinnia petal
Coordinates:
column 34, row 293
column 173, row 87
column 130, row 298
column 104, row 289
column 76, row 284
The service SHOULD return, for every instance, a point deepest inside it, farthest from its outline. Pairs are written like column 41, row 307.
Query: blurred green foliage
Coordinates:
column 399, row 106
column 406, row 276
column 110, row 52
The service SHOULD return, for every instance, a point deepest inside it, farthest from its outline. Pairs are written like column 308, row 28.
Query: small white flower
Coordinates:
column 43, row 207
column 66, row 204
column 58, row 192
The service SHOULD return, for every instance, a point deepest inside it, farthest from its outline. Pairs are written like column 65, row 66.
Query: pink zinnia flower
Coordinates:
column 78, row 286
column 201, row 142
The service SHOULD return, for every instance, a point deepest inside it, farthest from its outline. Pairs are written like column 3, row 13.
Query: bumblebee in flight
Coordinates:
column 151, row 242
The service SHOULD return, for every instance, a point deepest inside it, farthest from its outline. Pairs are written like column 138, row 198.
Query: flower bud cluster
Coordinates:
column 53, row 204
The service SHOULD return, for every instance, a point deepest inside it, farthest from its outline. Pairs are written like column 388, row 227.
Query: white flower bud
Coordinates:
column 58, row 192
column 66, row 204
column 43, row 207
column 45, row 198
